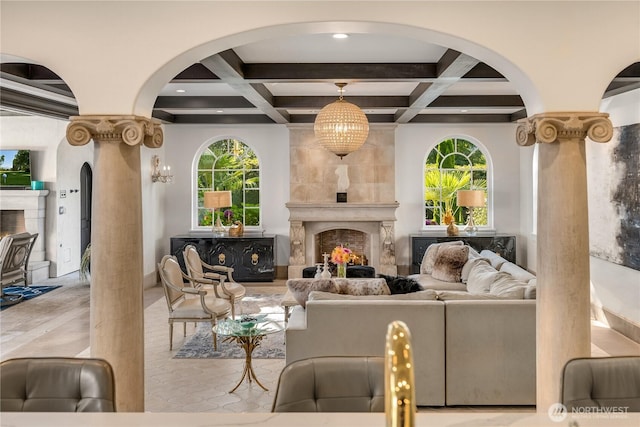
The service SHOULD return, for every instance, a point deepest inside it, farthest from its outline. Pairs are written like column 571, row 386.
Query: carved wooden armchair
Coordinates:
column 216, row 275
column 183, row 307
column 15, row 250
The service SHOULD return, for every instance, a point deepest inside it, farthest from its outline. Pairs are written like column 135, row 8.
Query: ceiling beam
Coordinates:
column 450, row 69
column 360, row 101
column 477, row 101
column 462, row 118
column 201, row 102
column 228, row 67
column 223, row 119
column 25, row 103
column 310, row 72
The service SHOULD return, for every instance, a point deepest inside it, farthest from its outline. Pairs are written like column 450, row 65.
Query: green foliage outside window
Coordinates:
column 230, row 164
column 454, row 164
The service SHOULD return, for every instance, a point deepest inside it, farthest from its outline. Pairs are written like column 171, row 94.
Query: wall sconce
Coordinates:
column 160, row 175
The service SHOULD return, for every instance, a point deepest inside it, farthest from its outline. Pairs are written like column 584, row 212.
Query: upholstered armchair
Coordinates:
column 331, row 384
column 57, row 384
column 189, row 303
column 602, row 382
column 15, row 250
column 213, row 275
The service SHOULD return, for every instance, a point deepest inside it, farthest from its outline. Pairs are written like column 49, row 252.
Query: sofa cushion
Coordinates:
column 400, row 284
column 516, row 271
column 362, row 286
column 466, row 269
column 495, row 260
column 506, row 286
column 481, row 276
column 428, row 295
column 431, row 253
column 428, row 282
column 300, row 288
column 449, row 263
column 460, row 295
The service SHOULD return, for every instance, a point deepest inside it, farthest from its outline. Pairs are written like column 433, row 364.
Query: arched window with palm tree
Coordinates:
column 454, row 164
column 230, row 164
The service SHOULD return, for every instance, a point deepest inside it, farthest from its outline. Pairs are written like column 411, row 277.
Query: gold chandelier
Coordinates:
column 341, row 127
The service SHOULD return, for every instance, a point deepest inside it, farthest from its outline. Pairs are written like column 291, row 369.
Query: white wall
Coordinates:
column 413, row 141
column 64, row 213
column 42, row 136
column 614, row 287
column 271, row 144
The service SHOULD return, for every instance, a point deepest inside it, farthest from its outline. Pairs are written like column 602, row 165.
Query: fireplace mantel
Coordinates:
column 342, row 211
column 377, row 220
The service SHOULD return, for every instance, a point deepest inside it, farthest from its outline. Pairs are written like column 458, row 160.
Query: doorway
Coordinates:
column 86, row 185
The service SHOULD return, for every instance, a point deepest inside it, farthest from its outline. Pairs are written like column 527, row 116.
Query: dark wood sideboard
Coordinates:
column 502, row 244
column 251, row 256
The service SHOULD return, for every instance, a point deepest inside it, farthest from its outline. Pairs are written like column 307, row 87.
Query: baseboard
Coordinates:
column 626, row 327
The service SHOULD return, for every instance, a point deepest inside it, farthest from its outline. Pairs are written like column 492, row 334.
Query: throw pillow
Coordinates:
column 505, row 286
column 300, row 288
column 495, row 259
column 401, row 284
column 449, row 263
column 431, row 253
column 362, row 286
column 466, row 269
column 516, row 271
column 481, row 277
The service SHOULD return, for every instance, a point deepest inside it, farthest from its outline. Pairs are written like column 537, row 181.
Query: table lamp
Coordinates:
column 216, row 200
column 470, row 199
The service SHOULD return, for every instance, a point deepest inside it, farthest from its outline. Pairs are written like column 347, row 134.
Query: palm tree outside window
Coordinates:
column 229, row 164
column 453, row 164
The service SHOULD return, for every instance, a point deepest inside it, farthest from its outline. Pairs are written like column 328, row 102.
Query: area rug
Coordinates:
column 200, row 344
column 27, row 292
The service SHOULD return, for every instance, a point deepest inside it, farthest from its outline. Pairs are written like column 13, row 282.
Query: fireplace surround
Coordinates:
column 376, row 220
column 32, row 204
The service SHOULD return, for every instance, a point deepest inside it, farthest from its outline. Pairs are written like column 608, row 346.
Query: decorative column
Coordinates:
column 117, row 309
column 563, row 307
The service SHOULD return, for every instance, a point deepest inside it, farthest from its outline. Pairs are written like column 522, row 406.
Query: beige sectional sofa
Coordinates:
column 469, row 348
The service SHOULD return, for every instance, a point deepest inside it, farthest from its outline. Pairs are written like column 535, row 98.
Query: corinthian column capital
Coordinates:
column 131, row 130
column 552, row 127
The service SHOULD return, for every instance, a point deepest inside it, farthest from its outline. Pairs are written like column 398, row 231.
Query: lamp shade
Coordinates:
column 217, row 199
column 341, row 127
column 470, row 198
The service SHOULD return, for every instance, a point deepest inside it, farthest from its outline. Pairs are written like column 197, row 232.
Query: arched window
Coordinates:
column 229, row 164
column 454, row 164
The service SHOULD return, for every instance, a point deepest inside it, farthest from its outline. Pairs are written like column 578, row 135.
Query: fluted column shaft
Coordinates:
column 563, row 306
column 117, row 308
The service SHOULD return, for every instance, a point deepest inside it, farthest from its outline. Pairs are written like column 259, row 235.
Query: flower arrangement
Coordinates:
column 341, row 255
column 228, row 215
column 448, row 218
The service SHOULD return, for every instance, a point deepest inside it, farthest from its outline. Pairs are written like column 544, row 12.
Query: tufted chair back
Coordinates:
column 602, row 382
column 331, row 384
column 56, row 384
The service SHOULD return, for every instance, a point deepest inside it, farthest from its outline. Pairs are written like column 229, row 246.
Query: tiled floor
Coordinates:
column 57, row 324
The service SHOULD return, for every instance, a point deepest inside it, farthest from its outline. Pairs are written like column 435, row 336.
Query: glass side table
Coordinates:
column 247, row 332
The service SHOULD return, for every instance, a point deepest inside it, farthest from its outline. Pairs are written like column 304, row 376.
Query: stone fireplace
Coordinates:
column 24, row 210
column 375, row 220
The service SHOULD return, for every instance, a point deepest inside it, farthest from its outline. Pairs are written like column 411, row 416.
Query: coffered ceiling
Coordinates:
column 288, row 80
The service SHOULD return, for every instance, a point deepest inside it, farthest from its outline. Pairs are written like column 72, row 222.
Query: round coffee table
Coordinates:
column 248, row 335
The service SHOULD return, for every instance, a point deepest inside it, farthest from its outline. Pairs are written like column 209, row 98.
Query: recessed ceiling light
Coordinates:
column 219, row 111
column 180, row 90
column 340, row 36
column 463, row 111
